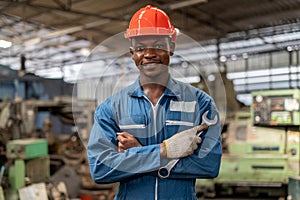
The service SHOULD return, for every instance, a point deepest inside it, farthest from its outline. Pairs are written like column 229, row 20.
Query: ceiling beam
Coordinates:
column 13, row 3
column 183, row 4
column 65, row 31
column 64, row 6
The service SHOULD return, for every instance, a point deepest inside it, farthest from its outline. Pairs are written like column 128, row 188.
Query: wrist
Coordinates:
column 162, row 149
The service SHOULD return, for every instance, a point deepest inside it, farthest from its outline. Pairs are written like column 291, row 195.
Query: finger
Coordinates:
column 125, row 134
column 199, row 139
column 120, row 150
column 121, row 147
column 122, row 140
column 122, row 134
column 194, row 145
column 119, row 137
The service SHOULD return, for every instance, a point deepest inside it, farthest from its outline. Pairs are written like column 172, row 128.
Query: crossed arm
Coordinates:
column 127, row 141
column 179, row 145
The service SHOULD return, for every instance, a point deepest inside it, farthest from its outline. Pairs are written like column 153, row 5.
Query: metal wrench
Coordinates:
column 164, row 171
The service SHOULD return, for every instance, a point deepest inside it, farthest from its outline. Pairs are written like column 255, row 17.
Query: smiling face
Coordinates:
column 151, row 55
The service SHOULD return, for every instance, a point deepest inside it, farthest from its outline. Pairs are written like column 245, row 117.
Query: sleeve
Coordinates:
column 107, row 165
column 205, row 162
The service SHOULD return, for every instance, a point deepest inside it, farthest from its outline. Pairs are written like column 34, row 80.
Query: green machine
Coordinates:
column 262, row 147
column 276, row 108
column 30, row 163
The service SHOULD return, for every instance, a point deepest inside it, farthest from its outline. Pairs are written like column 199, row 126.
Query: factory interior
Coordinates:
column 60, row 59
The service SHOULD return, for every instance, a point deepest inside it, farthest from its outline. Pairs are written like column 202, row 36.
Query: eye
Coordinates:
column 160, row 46
column 139, row 48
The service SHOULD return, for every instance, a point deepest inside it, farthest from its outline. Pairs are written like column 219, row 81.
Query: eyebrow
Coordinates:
column 141, row 42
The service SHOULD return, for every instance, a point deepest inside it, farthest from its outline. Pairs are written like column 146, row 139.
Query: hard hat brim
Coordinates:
column 146, row 31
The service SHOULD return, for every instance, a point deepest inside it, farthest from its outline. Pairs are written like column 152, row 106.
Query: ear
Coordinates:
column 172, row 48
column 131, row 50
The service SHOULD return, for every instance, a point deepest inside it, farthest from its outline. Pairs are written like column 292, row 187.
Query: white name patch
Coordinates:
column 182, row 106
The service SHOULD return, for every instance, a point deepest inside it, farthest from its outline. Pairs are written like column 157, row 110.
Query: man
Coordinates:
column 139, row 129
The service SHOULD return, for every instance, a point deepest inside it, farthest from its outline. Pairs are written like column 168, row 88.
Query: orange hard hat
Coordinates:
column 150, row 20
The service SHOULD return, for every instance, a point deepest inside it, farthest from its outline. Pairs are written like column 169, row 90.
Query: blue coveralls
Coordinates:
column 180, row 107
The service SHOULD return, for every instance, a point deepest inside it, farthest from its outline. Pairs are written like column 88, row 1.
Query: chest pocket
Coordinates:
column 181, row 116
column 174, row 126
column 135, row 125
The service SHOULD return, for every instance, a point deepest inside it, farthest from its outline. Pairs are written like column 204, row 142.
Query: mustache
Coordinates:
column 152, row 63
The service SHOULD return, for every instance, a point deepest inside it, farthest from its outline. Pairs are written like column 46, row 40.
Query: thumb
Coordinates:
column 198, row 139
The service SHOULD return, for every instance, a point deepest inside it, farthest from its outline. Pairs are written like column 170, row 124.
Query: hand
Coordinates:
column 126, row 141
column 182, row 144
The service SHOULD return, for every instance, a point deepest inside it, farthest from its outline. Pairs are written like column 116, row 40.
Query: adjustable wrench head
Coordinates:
column 207, row 121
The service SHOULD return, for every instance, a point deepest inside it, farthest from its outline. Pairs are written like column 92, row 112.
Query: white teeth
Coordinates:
column 152, row 64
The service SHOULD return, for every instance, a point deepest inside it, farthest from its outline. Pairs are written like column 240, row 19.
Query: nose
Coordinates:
column 149, row 53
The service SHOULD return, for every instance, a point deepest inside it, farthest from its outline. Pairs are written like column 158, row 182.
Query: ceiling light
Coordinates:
column 211, row 78
column 5, row 44
column 245, row 55
column 85, row 52
column 233, row 57
column 183, row 4
column 223, row 58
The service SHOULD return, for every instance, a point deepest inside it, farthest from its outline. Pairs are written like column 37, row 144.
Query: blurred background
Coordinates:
column 60, row 58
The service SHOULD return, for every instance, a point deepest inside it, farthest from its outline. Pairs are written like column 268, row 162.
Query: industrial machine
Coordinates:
column 276, row 108
column 40, row 148
column 261, row 147
column 31, row 164
column 33, row 152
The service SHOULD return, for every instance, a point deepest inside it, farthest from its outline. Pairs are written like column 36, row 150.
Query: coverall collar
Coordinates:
column 171, row 90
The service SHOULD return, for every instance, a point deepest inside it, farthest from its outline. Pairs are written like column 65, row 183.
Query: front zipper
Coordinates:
column 155, row 131
column 154, row 109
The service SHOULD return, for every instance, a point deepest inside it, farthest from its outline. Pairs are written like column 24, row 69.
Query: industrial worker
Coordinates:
column 139, row 129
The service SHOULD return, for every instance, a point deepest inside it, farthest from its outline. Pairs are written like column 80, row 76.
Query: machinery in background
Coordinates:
column 276, row 108
column 32, row 155
column 40, row 146
column 261, row 148
column 30, row 164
